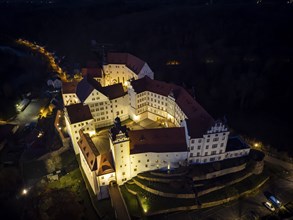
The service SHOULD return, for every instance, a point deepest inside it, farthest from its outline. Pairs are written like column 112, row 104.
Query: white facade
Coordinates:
column 208, row 147
column 70, row 98
column 120, row 73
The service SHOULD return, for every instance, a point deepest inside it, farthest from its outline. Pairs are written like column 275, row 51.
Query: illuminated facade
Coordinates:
column 126, row 89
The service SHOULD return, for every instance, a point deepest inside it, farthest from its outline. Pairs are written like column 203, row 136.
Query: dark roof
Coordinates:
column 236, row 143
column 157, row 140
column 199, row 120
column 84, row 88
column 92, row 71
column 199, row 125
column 88, row 150
column 113, row 91
column 88, row 84
column 78, row 113
column 132, row 62
column 147, row 84
column 69, row 87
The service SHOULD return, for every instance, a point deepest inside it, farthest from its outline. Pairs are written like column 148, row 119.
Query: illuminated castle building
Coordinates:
column 123, row 89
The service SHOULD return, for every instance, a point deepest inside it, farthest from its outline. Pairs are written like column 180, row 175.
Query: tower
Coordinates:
column 119, row 143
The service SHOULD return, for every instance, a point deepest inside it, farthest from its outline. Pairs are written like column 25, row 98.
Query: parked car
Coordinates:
column 270, row 206
column 273, row 199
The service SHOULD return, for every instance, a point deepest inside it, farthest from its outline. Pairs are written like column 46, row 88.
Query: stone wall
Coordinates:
column 165, row 194
column 222, row 186
column 208, row 204
column 220, row 173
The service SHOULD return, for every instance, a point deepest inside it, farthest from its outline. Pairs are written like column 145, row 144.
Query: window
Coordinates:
column 123, row 173
column 214, row 152
column 214, row 146
column 148, row 160
column 215, row 139
column 207, row 147
column 198, row 154
column 199, row 141
column 192, row 141
column 221, row 151
column 223, row 138
column 222, row 144
column 146, row 165
column 191, row 154
column 206, row 154
column 208, row 140
column 102, row 177
column 192, row 148
column 138, row 161
column 198, row 147
column 135, row 170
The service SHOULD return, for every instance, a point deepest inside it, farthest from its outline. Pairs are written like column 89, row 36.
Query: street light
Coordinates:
column 24, row 191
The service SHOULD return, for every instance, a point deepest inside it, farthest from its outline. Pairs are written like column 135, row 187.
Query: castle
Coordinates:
column 124, row 89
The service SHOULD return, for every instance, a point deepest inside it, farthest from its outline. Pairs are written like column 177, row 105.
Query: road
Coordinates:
column 121, row 211
column 31, row 112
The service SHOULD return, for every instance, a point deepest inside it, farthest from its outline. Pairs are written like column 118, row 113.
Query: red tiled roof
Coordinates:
column 69, row 87
column 93, row 72
column 199, row 119
column 78, row 113
column 106, row 164
column 103, row 162
column 88, row 150
column 132, row 62
column 157, row 140
column 92, row 64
